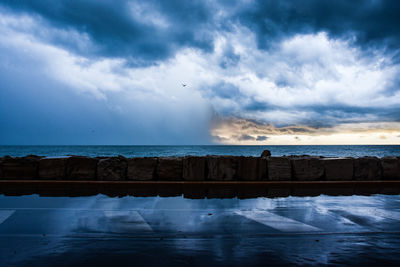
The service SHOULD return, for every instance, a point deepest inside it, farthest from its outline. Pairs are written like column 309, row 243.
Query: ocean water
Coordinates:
column 154, row 151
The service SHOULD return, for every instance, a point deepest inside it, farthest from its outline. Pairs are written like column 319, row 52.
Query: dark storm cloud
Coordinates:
column 244, row 137
column 115, row 32
column 330, row 115
column 372, row 22
column 225, row 91
column 261, row 138
column 229, row 59
column 39, row 110
column 318, row 115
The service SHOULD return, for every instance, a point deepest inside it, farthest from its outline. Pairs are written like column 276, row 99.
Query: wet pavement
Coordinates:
column 155, row 231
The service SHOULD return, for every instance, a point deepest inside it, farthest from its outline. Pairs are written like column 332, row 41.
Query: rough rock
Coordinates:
column 52, row 168
column 390, row 168
column 252, row 169
column 266, row 154
column 112, row 169
column 81, row 168
column 194, row 168
column 338, row 169
column 279, row 169
column 169, row 169
column 222, row 168
column 20, row 168
column 367, row 168
column 141, row 169
column 307, row 168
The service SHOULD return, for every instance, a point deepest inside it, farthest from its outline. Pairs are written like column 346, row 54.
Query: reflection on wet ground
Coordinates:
column 99, row 230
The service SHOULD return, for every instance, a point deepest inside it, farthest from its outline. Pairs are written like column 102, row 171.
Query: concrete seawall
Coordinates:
column 194, row 168
column 199, row 177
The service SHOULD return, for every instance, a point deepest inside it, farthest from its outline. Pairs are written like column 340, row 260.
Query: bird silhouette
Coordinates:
column 184, row 85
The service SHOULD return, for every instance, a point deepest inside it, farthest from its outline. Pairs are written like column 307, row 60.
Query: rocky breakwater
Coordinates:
column 204, row 168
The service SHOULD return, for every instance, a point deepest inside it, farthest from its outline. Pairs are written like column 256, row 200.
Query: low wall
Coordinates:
column 207, row 168
column 197, row 189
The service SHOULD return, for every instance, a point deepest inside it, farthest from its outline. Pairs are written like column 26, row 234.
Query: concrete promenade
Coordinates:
column 99, row 230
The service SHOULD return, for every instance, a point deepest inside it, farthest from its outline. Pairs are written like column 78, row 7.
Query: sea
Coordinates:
column 202, row 150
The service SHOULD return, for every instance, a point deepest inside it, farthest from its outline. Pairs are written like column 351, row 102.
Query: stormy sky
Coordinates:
column 256, row 72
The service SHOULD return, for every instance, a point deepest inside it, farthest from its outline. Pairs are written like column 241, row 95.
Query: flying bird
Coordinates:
column 184, row 85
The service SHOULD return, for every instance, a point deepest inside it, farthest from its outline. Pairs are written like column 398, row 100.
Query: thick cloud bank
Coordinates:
column 256, row 72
